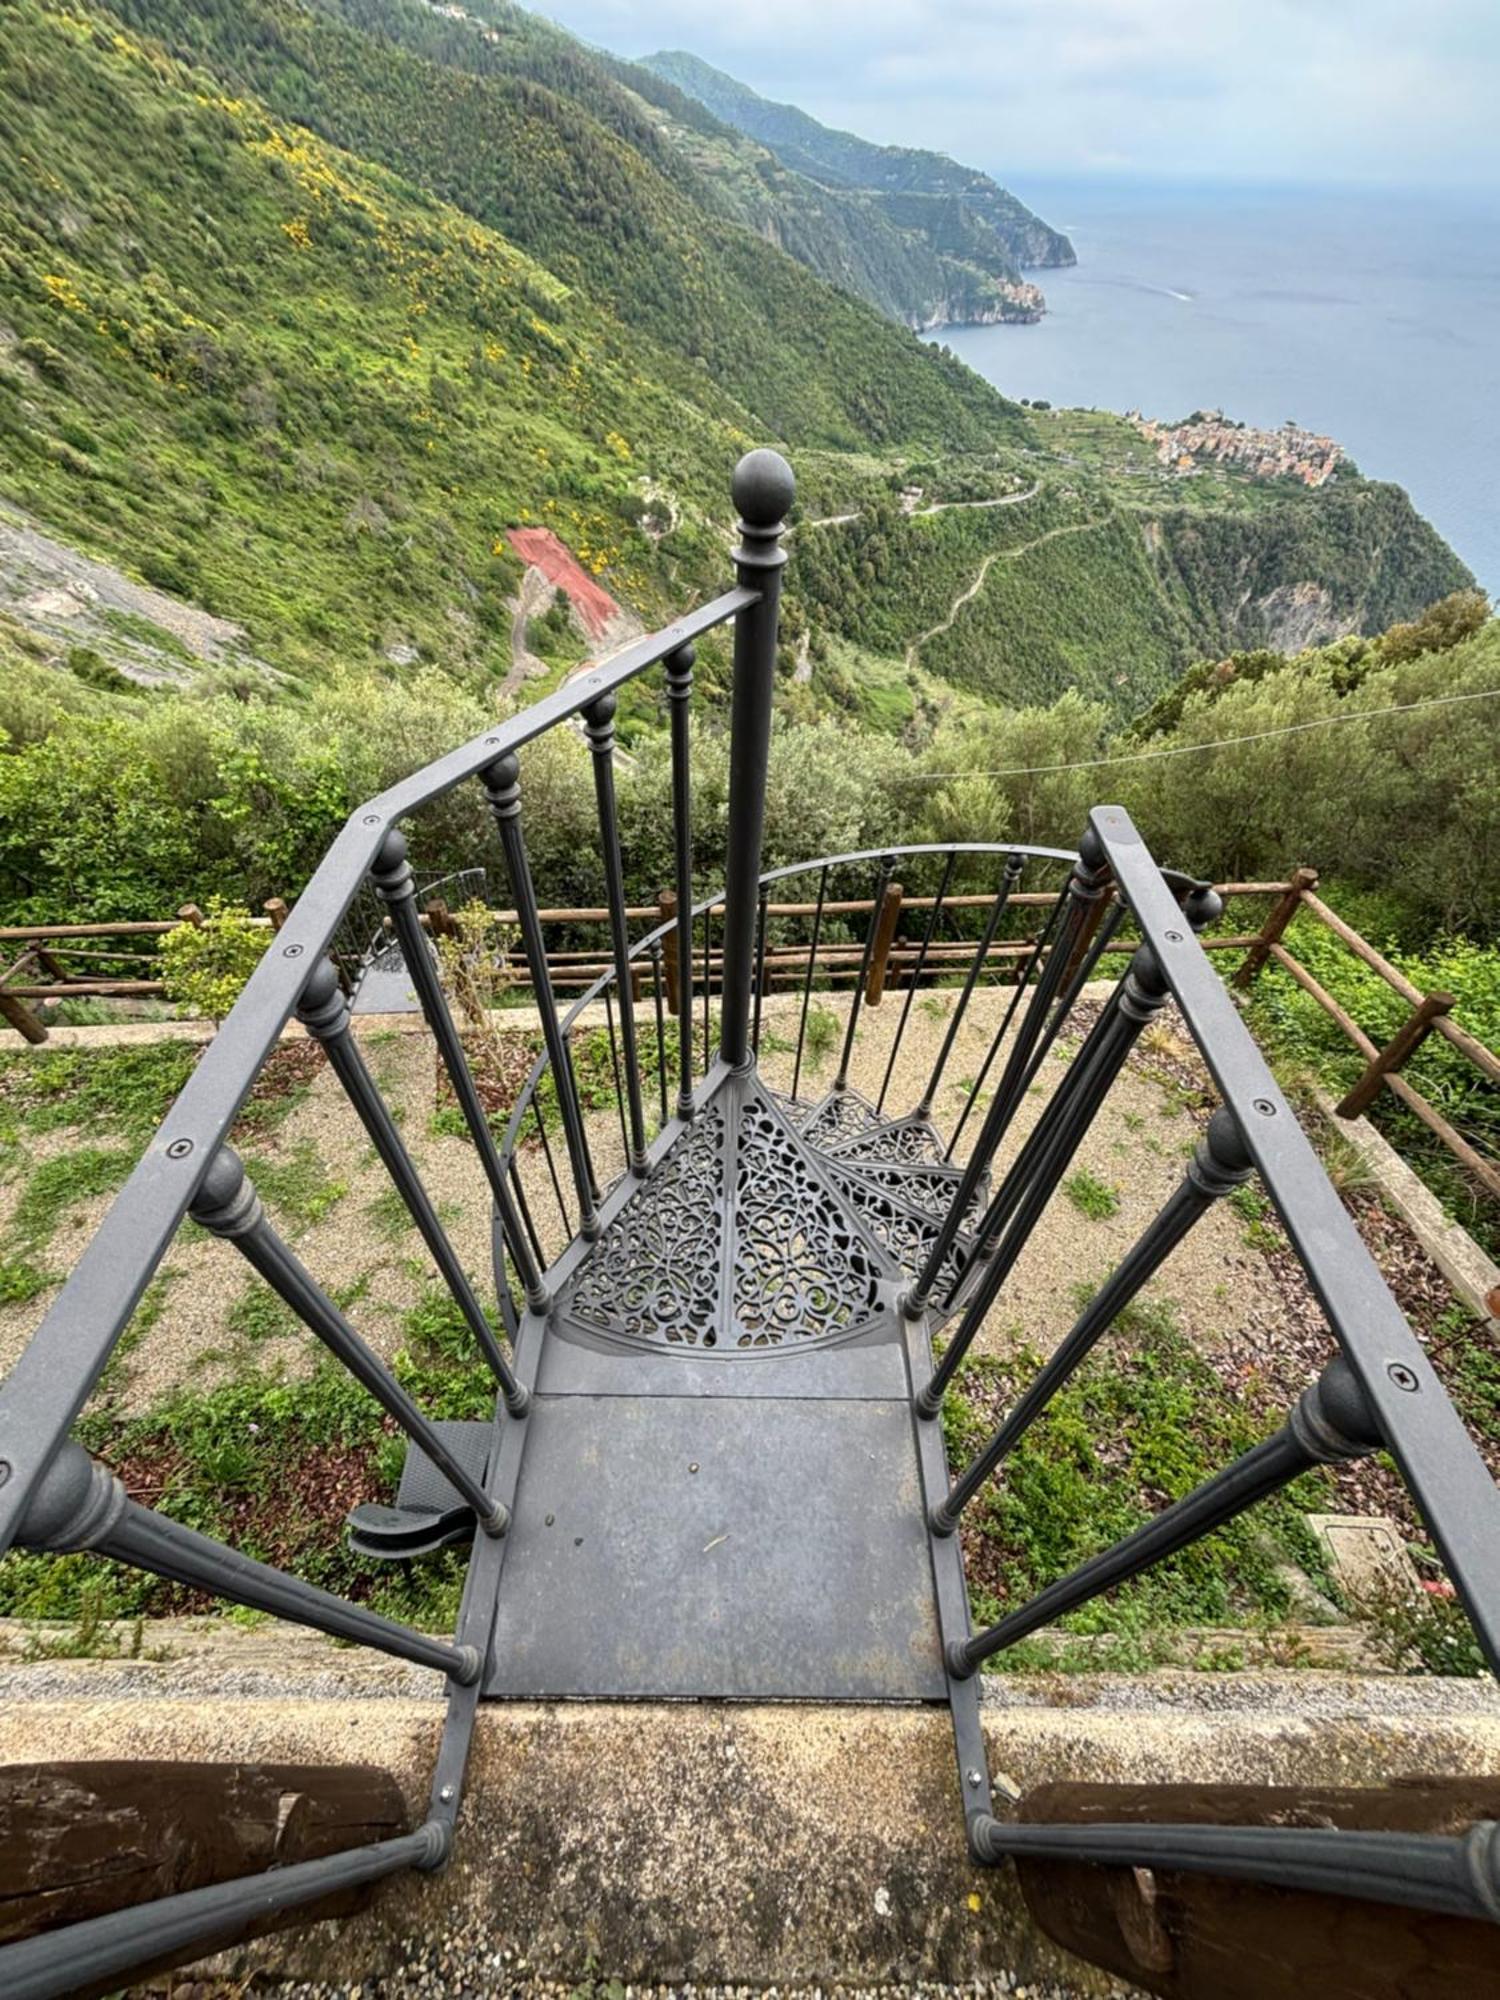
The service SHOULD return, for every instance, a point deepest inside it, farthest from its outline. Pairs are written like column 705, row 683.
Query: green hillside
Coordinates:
column 303, row 306
column 919, row 263
column 971, row 224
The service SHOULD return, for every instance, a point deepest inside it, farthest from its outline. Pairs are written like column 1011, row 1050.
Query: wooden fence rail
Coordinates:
column 63, row 961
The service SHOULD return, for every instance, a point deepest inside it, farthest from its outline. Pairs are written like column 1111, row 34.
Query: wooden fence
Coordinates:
column 68, row 961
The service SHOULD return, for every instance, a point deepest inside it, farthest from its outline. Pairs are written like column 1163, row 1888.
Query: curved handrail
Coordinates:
column 609, row 977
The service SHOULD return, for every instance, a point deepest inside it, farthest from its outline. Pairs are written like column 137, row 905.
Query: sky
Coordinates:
column 1332, row 92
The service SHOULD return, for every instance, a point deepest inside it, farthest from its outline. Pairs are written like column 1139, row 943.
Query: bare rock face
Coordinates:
column 1298, row 615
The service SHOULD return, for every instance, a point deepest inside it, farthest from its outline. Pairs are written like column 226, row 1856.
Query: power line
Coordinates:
column 1218, row 743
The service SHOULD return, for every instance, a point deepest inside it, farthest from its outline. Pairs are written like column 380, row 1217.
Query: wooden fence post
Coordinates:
column 191, row 914
column 276, row 909
column 1271, row 930
column 21, row 1018
column 666, row 902
column 1396, row 1053
column 885, row 931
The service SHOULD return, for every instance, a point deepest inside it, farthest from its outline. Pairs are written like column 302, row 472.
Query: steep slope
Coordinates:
column 954, row 273
column 965, row 217
column 286, row 363
column 523, row 131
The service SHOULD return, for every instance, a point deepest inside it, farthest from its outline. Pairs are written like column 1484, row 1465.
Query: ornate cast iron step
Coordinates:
column 738, row 1240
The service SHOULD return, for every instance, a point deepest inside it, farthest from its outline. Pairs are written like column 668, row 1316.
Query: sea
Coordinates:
column 1372, row 317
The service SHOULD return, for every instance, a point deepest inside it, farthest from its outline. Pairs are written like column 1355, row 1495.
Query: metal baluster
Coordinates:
column 661, row 1026
column 93, row 1954
column 523, row 1208
column 588, row 1154
column 708, row 917
column 599, row 721
column 392, row 877
column 1013, row 866
column 1200, row 906
column 1029, row 1185
column 324, row 1012
column 1017, row 1080
column 1085, row 885
column 679, row 669
column 915, row 980
column 1451, row 1875
column 760, row 963
column 80, row 1504
column 1219, row 1165
column 502, row 784
column 1331, row 1422
column 626, row 1138
column 882, row 878
column 763, row 492
column 812, row 962
column 227, row 1205
column 541, row 1132
column 1023, row 980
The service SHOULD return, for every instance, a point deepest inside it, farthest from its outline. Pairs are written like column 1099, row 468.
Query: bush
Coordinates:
column 205, row 966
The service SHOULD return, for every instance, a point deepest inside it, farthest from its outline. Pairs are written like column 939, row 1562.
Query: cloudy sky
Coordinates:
column 1335, row 91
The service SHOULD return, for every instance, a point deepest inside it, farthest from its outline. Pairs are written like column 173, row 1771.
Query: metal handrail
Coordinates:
column 42, row 1396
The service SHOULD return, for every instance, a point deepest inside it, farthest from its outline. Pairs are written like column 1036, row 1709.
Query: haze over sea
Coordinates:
column 1372, row 317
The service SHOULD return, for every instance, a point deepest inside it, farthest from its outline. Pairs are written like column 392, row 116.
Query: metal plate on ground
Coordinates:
column 753, row 1550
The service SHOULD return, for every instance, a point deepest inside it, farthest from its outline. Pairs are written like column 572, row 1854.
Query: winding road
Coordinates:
column 972, row 590
column 919, row 513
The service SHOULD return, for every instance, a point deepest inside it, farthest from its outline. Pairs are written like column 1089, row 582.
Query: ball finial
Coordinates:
column 763, row 488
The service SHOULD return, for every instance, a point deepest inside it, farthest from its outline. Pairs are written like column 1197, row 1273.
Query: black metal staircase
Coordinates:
column 715, row 1468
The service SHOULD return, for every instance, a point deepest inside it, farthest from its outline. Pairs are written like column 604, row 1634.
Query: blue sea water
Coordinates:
column 1374, row 318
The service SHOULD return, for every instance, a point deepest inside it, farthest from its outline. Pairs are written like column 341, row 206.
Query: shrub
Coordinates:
column 204, row 966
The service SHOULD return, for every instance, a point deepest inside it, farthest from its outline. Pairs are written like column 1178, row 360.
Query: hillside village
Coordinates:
column 1287, row 453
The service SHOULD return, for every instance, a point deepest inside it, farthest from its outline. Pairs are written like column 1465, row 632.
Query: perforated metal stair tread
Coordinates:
column 676, row 1546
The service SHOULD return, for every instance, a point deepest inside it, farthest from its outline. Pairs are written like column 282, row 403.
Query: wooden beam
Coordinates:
column 80, row 1840
column 1186, row 1936
column 885, row 931
column 1396, row 1054
column 1303, row 881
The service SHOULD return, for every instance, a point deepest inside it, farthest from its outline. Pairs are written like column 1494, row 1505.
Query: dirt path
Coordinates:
column 532, row 599
column 920, row 513
column 972, row 590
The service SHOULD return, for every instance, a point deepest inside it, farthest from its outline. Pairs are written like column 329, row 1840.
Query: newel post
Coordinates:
column 763, row 491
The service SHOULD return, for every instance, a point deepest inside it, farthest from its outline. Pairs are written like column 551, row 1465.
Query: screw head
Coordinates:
column 445, row 1793
column 1402, row 1376
column 1172, row 937
column 975, row 1778
column 372, row 819
column 179, row 1149
column 291, row 951
column 1265, row 1107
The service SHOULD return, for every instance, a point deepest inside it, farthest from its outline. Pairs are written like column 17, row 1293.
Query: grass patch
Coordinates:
column 1141, row 1424
column 822, row 1033
column 123, row 1090
column 60, row 1184
column 298, row 1183
column 1096, row 1199
column 21, row 1280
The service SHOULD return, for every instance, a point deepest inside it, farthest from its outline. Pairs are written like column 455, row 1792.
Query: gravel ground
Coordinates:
column 465, row 1964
